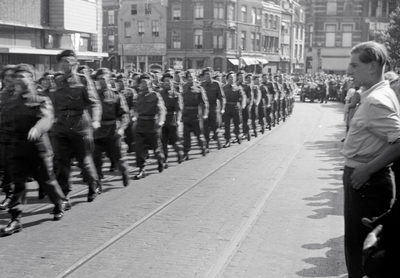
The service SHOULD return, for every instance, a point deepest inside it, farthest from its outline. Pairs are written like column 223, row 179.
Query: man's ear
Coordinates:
column 375, row 66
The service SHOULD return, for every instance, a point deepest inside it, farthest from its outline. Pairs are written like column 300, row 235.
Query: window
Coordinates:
column 300, row 51
column 258, row 42
column 230, row 40
column 330, row 35
column 244, row 13
column 253, row 15
column 331, row 8
column 301, row 33
column 265, row 44
column 253, row 41
column 243, row 40
column 265, row 20
column 271, row 21
column 176, row 11
column 155, row 28
column 258, row 17
column 218, row 10
column 133, row 9
column 276, row 22
column 127, row 29
column 198, row 11
column 147, row 8
column 111, row 42
column 140, row 28
column 311, row 32
column 231, row 12
column 198, row 39
column 176, row 40
column 296, row 48
column 111, row 18
column 347, row 35
column 218, row 39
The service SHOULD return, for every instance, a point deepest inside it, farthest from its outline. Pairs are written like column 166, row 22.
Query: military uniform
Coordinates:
column 255, row 108
column 212, row 123
column 21, row 113
column 73, row 129
column 264, row 109
column 235, row 100
column 247, row 109
column 150, row 113
column 106, row 138
column 170, row 129
column 191, row 115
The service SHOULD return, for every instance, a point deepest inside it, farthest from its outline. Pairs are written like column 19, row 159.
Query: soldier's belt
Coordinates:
column 108, row 122
column 191, row 107
column 171, row 112
column 231, row 103
column 147, row 118
column 71, row 112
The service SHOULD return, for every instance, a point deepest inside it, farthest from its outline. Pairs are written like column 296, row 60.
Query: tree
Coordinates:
column 393, row 39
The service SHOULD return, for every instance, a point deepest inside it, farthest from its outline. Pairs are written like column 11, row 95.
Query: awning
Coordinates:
column 262, row 61
column 234, row 62
column 37, row 51
column 249, row 61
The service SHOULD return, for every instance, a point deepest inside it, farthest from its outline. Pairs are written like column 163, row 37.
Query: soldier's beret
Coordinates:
column 240, row 72
column 82, row 67
column 119, row 76
column 47, row 73
column 26, row 68
column 135, row 75
column 264, row 75
column 229, row 74
column 6, row 68
column 249, row 75
column 206, row 70
column 144, row 76
column 100, row 71
column 188, row 72
column 256, row 77
column 65, row 53
column 168, row 75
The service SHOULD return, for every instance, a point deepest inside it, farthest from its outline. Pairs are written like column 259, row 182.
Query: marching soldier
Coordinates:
column 130, row 95
column 107, row 138
column 73, row 129
column 265, row 105
column 256, row 100
column 214, row 94
column 249, row 102
column 7, row 77
column 151, row 113
column 235, row 101
column 193, row 95
column 26, row 118
column 170, row 129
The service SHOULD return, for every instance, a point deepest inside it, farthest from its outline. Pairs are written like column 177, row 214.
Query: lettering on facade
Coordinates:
column 143, row 49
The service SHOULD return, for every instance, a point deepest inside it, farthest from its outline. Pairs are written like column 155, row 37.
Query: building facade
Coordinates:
column 228, row 34
column 110, row 33
column 37, row 32
column 142, row 34
column 333, row 27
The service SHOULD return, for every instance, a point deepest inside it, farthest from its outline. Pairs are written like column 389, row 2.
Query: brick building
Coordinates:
column 333, row 27
column 37, row 32
column 110, row 33
column 141, row 34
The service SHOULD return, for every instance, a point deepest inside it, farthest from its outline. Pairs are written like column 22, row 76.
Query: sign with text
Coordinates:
column 143, row 49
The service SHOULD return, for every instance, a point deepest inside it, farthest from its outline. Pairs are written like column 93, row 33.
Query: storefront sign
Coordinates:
column 143, row 49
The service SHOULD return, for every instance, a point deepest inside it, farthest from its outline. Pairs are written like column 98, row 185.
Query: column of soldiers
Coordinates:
column 76, row 114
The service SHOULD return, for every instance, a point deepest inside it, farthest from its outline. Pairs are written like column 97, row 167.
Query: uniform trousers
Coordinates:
column 212, row 123
column 192, row 124
column 268, row 118
column 261, row 115
column 78, row 144
column 231, row 112
column 147, row 137
column 254, row 116
column 371, row 200
column 170, row 135
column 245, row 119
column 129, row 138
column 111, row 145
column 36, row 158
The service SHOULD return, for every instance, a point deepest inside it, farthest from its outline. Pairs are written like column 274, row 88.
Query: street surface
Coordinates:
column 271, row 207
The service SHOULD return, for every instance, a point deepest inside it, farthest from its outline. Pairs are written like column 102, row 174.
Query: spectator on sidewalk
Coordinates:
column 372, row 144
